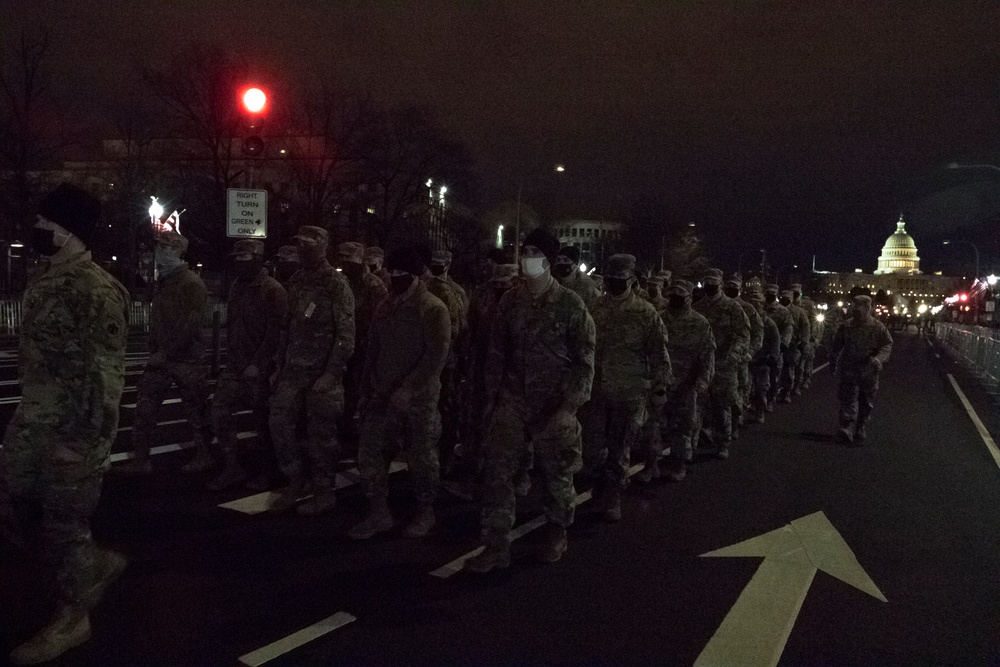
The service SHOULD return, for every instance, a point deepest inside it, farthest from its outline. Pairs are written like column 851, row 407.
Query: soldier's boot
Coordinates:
column 494, row 556
column 769, row 406
column 736, row 431
column 784, row 396
column 287, row 498
column 108, row 566
column 677, row 473
column 612, row 504
column 554, row 543
column 846, row 432
column 421, row 523
column 69, row 628
column 860, row 434
column 522, row 483
column 649, row 472
column 378, row 520
column 723, row 451
column 203, row 460
column 232, row 472
column 324, row 499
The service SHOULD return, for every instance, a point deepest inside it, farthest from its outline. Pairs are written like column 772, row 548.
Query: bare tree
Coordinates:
column 686, row 257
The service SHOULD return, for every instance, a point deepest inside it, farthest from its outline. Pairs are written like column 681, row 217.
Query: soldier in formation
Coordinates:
column 567, row 271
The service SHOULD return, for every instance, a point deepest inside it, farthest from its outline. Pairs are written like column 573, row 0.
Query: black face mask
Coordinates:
column 653, row 293
column 796, row 295
column 499, row 291
column 42, row 241
column 438, row 270
column 770, row 298
column 352, row 270
column 286, row 270
column 373, row 268
column 785, row 301
column 711, row 290
column 731, row 292
column 399, row 284
column 248, row 268
column 562, row 270
column 676, row 302
column 616, row 286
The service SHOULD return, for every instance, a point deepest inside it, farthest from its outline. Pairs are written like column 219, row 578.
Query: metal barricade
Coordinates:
column 975, row 348
column 138, row 316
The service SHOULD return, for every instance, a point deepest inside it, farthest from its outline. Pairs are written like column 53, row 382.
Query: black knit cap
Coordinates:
column 545, row 242
column 73, row 209
column 413, row 259
column 571, row 253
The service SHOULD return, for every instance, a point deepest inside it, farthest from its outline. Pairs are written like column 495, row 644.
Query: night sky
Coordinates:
column 800, row 127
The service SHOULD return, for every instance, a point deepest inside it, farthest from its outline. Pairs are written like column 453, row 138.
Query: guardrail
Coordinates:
column 138, row 316
column 976, row 348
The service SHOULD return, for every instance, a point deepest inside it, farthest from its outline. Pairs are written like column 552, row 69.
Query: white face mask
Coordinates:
column 533, row 266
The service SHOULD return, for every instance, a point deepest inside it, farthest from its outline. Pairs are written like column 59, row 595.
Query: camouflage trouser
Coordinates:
column 352, row 390
column 679, row 418
column 650, row 438
column 557, row 453
column 233, row 394
column 857, row 398
column 191, row 379
column 774, row 377
column 808, row 362
column 610, row 428
column 742, row 390
column 806, row 355
column 717, row 405
column 49, row 488
column 448, row 405
column 761, row 373
column 420, row 425
column 294, row 402
column 788, row 369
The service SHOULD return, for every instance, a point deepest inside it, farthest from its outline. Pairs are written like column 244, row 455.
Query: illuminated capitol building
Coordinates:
column 898, row 274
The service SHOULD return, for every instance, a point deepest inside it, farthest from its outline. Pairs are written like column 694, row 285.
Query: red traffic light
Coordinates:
column 963, row 297
column 254, row 100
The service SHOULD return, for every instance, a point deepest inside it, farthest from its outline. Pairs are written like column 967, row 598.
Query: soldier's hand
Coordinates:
column 251, row 372
column 156, row 360
column 327, row 382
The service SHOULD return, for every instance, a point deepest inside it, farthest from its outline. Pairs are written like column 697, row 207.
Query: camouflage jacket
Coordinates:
column 801, row 327
column 659, row 303
column 542, row 348
column 691, row 347
column 855, row 345
column 756, row 328
column 320, row 321
column 175, row 316
column 407, row 347
column 582, row 285
column 809, row 307
column 730, row 327
column 459, row 291
column 631, row 357
column 440, row 288
column 71, row 357
column 368, row 292
column 254, row 317
column 482, row 313
column 770, row 349
column 783, row 319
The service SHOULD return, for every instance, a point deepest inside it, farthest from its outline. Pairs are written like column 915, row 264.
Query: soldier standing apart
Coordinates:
column 803, row 374
column 631, row 369
column 71, row 366
column 374, row 257
column 801, row 330
column 861, row 347
column 783, row 320
column 176, row 350
column 309, row 383
column 567, row 271
column 408, row 346
column 255, row 314
column 691, row 350
column 286, row 263
column 731, row 330
column 732, row 290
column 767, row 358
column 541, row 364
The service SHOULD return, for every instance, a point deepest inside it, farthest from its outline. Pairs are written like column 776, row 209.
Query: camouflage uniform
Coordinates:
column 176, row 355
column 71, row 366
column 541, row 358
column 804, row 370
column 408, row 346
column 766, row 358
column 630, row 366
column 691, row 349
column 783, row 320
column 659, row 302
column 801, row 331
column 859, row 351
column 255, row 314
column 649, row 436
column 439, row 287
column 756, row 340
column 731, row 330
column 319, row 340
column 582, row 285
column 375, row 256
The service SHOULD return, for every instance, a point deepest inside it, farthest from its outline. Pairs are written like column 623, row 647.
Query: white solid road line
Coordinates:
column 294, row 641
column 176, row 447
column 173, row 422
column 455, row 566
column 260, row 502
column 820, row 367
column 983, row 433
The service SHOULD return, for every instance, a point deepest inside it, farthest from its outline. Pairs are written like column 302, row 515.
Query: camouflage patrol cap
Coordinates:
column 621, row 266
column 795, row 287
column 735, row 280
column 665, row 274
column 787, row 293
column 862, row 300
column 441, row 257
column 504, row 273
column 753, row 294
column 351, row 251
column 288, row 253
column 170, row 239
column 374, row 252
column 246, row 248
column 772, row 288
column 680, row 288
column 655, row 281
column 310, row 235
column 713, row 277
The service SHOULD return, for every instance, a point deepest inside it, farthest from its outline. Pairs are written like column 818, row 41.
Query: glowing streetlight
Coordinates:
column 560, row 168
column 155, row 211
column 991, row 280
column 500, row 236
column 254, row 100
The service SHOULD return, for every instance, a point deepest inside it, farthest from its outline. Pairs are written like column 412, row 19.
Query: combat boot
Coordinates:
column 203, row 461
column 677, row 474
column 232, row 474
column 522, row 483
column 495, row 555
column 723, row 451
column 69, row 628
column 846, row 434
column 554, row 543
column 322, row 501
column 860, row 434
column 378, row 520
column 421, row 523
column 650, row 472
column 611, row 505
column 287, row 498
column 784, row 396
column 108, row 566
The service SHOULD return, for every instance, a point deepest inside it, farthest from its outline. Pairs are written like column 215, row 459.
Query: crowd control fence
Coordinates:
column 976, row 348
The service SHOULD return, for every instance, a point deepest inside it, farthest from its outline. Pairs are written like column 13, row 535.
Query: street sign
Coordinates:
column 756, row 629
column 246, row 213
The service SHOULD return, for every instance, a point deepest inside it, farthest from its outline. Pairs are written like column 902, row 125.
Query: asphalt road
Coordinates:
column 917, row 507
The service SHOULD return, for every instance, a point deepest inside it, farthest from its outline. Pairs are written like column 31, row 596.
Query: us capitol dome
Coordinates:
column 899, row 254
